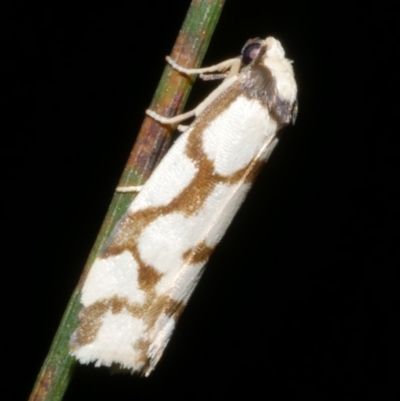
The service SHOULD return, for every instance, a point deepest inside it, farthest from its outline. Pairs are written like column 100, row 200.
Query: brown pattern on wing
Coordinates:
column 255, row 82
column 90, row 317
column 150, row 311
column 200, row 254
column 187, row 202
column 166, row 305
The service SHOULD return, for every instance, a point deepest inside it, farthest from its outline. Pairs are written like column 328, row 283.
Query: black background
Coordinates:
column 299, row 299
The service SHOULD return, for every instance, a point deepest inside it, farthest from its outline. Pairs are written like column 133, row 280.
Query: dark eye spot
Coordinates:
column 250, row 52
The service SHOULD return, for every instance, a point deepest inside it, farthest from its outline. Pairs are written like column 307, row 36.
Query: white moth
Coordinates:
column 143, row 277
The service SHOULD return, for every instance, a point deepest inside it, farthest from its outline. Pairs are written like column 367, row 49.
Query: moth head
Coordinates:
column 273, row 48
column 256, row 49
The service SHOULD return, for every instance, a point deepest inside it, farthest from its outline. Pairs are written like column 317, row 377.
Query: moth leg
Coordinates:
column 171, row 120
column 196, row 111
column 182, row 128
column 233, row 65
column 213, row 77
column 129, row 189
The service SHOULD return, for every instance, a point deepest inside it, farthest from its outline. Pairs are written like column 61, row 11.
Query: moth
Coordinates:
column 143, row 277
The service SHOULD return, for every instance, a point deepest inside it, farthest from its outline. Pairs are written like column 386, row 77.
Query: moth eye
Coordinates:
column 250, row 52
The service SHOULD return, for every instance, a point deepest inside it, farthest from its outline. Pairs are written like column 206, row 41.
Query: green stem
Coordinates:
column 150, row 146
